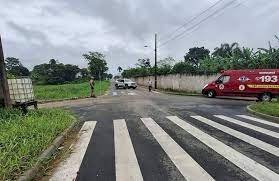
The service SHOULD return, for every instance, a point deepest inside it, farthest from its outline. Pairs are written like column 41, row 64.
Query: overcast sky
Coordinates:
column 37, row 30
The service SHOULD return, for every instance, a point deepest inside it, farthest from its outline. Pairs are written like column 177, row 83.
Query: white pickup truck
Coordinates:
column 125, row 83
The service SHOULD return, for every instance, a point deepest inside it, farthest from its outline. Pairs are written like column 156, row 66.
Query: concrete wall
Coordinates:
column 178, row 82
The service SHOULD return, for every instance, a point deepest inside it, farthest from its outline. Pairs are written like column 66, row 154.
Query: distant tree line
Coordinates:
column 199, row 60
column 55, row 72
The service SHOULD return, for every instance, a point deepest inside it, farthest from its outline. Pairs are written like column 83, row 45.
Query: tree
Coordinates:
column 97, row 64
column 268, row 58
column 84, row 72
column 54, row 73
column 70, row 72
column 144, row 63
column 276, row 37
column 195, row 55
column 214, row 65
column 226, row 50
column 169, row 61
column 119, row 69
column 110, row 76
column 15, row 68
column 165, row 65
column 183, row 68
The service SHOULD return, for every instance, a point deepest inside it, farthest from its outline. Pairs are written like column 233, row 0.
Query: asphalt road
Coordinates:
column 141, row 135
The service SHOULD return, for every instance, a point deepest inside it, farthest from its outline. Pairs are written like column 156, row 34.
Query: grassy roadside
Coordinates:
column 270, row 108
column 23, row 138
column 65, row 91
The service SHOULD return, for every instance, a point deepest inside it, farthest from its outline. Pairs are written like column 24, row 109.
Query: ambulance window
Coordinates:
column 226, row 79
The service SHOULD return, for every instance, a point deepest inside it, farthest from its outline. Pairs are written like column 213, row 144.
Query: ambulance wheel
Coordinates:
column 266, row 97
column 211, row 94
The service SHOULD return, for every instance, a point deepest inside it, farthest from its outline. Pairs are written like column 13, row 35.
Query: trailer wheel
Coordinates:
column 211, row 94
column 266, row 97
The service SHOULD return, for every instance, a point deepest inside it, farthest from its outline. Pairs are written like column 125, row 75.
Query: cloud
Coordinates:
column 36, row 31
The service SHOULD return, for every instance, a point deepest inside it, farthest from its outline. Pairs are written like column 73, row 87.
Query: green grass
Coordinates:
column 66, row 91
column 270, row 108
column 23, row 138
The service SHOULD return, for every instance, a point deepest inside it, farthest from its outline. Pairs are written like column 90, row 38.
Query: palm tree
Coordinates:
column 119, row 69
column 226, row 50
column 277, row 37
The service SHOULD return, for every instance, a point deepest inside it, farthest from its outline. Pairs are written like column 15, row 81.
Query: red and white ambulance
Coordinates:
column 260, row 83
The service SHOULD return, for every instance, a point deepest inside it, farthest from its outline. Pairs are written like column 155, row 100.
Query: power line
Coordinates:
column 200, row 22
column 191, row 20
column 237, row 5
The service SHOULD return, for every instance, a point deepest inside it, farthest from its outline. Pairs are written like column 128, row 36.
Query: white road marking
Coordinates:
column 253, row 141
column 132, row 94
column 122, row 92
column 114, row 93
column 259, row 120
column 250, row 126
column 68, row 169
column 126, row 164
column 188, row 167
column 250, row 166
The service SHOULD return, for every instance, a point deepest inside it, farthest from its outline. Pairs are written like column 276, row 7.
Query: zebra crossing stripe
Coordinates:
column 69, row 168
column 250, row 126
column 188, row 167
column 132, row 94
column 126, row 164
column 259, row 120
column 250, row 166
column 114, row 93
column 248, row 139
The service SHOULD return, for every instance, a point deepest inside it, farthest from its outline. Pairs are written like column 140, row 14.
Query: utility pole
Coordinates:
column 3, row 79
column 155, row 60
column 100, row 79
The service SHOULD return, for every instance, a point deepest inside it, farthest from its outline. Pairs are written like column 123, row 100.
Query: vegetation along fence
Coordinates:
column 178, row 82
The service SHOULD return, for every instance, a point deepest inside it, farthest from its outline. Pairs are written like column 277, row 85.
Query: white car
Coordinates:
column 125, row 83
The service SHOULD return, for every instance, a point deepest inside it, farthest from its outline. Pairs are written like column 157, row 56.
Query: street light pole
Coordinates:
column 155, row 61
column 3, row 79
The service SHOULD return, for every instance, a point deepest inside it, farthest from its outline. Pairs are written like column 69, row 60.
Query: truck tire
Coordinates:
column 211, row 94
column 266, row 97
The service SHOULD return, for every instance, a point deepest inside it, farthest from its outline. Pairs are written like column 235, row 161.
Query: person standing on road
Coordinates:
column 92, row 84
column 150, row 85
